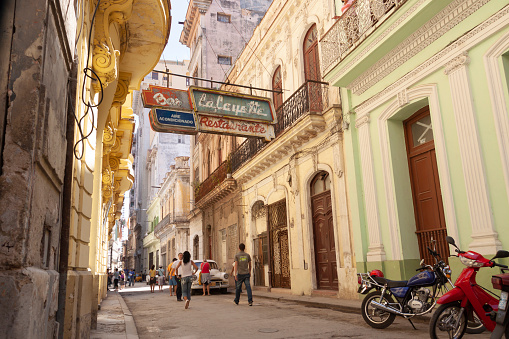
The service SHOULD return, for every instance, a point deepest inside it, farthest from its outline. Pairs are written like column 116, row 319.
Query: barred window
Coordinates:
column 155, row 76
column 222, row 17
column 224, row 60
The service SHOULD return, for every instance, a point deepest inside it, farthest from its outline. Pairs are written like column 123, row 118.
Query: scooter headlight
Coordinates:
column 470, row 262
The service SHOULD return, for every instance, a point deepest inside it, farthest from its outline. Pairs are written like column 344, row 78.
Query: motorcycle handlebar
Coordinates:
column 498, row 265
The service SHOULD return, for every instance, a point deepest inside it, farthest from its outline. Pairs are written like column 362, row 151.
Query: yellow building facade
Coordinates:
column 126, row 41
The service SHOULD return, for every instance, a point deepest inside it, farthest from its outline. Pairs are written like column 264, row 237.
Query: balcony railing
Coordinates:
column 169, row 219
column 212, row 181
column 312, row 97
column 351, row 27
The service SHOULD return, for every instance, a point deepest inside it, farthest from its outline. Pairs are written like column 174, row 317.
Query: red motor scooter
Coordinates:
column 458, row 305
column 501, row 282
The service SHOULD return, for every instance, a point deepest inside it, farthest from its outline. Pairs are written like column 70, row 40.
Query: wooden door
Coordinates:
column 259, row 272
column 279, row 249
column 426, row 193
column 325, row 246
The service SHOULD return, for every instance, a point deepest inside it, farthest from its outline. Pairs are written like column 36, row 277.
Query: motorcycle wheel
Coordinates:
column 374, row 317
column 443, row 322
column 475, row 326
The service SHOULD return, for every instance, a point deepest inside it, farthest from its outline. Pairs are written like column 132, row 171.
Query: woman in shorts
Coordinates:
column 152, row 274
column 205, row 276
column 172, row 278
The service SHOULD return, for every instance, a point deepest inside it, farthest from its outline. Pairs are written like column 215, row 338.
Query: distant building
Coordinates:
column 153, row 153
column 173, row 229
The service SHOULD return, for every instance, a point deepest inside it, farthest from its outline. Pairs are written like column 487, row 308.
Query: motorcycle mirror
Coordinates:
column 422, row 262
column 501, row 254
column 450, row 241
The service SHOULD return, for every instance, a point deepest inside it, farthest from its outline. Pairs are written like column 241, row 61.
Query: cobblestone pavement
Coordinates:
column 157, row 315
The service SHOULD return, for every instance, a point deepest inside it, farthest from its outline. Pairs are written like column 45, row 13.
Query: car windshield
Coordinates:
column 213, row 265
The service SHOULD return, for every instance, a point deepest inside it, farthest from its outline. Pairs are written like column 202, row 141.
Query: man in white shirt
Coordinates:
column 178, row 276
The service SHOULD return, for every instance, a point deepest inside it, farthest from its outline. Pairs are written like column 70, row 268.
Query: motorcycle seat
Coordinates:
column 391, row 283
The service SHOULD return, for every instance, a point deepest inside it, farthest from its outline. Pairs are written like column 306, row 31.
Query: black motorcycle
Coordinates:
column 408, row 298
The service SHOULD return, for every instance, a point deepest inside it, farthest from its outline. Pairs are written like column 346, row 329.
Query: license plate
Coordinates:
column 502, row 304
column 212, row 284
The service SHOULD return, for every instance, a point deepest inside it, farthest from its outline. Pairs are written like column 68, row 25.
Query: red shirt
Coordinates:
column 205, row 267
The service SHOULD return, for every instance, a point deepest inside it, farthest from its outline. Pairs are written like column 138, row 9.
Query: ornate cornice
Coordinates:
column 105, row 57
column 436, row 61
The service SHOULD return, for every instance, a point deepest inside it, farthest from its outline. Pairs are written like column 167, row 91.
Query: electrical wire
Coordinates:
column 91, row 74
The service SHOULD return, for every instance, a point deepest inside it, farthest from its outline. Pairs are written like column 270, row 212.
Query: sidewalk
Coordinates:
column 114, row 320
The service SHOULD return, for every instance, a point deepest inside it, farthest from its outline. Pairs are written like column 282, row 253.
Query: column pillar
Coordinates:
column 484, row 238
column 376, row 250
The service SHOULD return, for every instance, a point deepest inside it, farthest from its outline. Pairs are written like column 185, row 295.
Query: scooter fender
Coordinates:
column 453, row 295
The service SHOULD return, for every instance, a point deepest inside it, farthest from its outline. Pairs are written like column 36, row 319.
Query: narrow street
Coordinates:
column 157, row 315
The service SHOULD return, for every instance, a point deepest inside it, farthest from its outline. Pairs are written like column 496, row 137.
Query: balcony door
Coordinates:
column 277, row 85
column 312, row 69
column 311, row 58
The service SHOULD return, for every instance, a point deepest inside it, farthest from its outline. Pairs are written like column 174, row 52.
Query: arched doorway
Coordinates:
column 323, row 232
column 425, row 183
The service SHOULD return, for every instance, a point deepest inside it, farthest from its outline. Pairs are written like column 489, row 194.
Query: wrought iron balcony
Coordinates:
column 352, row 28
column 312, row 97
column 168, row 220
column 212, row 181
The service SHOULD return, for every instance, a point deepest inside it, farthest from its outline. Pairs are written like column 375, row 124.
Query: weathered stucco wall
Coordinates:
column 35, row 109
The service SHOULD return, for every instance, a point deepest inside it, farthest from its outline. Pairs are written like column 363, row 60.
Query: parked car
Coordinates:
column 218, row 279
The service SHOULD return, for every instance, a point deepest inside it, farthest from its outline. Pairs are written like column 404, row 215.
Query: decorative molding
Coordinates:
column 402, row 98
column 498, row 103
column 124, row 79
column 431, row 93
column 471, row 38
column 105, row 57
column 460, row 61
column 445, row 20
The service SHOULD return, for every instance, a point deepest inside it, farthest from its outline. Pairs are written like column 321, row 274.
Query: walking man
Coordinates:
column 116, row 275
column 243, row 274
column 178, row 276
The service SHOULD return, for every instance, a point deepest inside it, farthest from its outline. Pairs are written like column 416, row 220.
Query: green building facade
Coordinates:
column 424, row 89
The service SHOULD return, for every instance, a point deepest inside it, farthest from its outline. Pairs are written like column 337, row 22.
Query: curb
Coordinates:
column 340, row 308
column 130, row 327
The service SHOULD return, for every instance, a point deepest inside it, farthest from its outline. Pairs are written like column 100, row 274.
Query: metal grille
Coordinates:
column 311, row 97
column 279, row 245
column 351, row 27
column 233, row 241
column 425, row 240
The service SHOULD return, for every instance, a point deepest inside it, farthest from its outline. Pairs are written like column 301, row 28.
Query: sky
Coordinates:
column 174, row 50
